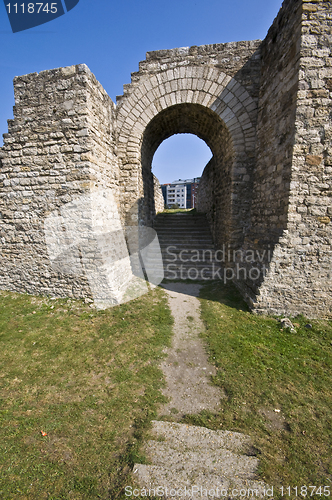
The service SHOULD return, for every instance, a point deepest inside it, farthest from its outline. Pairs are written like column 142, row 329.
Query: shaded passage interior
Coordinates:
column 216, row 199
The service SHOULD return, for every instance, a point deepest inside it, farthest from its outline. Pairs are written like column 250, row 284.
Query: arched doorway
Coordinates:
column 218, row 189
column 192, row 99
column 180, row 157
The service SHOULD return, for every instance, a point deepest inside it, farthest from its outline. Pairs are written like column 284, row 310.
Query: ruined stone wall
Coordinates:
column 101, row 119
column 230, row 175
column 159, row 201
column 263, row 108
column 210, row 91
column 292, row 197
column 280, row 52
column 204, row 201
column 58, row 147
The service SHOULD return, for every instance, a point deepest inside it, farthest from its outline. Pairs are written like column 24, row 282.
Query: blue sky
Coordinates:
column 112, row 37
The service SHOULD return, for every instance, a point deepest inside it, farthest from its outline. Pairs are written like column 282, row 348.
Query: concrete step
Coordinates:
column 185, row 265
column 194, row 458
column 182, row 222
column 179, row 215
column 186, row 243
column 203, row 253
column 197, row 485
column 205, row 250
column 169, row 229
column 185, row 238
column 178, row 263
column 222, row 462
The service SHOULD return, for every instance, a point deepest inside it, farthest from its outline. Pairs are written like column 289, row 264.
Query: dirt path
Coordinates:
column 187, row 458
column 186, row 368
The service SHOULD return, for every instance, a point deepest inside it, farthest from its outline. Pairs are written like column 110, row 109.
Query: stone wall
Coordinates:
column 291, row 208
column 58, row 147
column 204, row 200
column 159, row 201
column 263, row 108
column 302, row 263
column 210, row 91
column 280, row 52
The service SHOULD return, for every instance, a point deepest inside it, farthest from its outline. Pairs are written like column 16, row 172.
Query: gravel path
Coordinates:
column 186, row 367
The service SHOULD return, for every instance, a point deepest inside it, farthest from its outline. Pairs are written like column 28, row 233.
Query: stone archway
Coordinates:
column 195, row 99
column 206, row 124
column 270, row 174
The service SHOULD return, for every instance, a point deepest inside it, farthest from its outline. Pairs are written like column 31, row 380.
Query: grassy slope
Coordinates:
column 263, row 368
column 89, row 380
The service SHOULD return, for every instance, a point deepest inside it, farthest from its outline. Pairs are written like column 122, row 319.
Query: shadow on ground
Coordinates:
column 214, row 290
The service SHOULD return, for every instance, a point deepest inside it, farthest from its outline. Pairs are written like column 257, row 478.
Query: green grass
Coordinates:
column 179, row 210
column 87, row 379
column 262, row 368
column 91, row 381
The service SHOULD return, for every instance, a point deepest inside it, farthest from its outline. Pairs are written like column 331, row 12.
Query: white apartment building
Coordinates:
column 176, row 193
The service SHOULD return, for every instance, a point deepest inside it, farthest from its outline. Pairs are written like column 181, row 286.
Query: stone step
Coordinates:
column 167, row 261
column 203, row 253
column 185, row 237
column 154, row 261
column 185, row 456
column 180, row 235
column 170, row 227
column 222, row 462
column 179, row 214
column 170, row 230
column 189, row 234
column 186, row 243
column 178, row 267
column 185, row 221
column 196, row 485
column 192, row 221
column 169, row 239
column 184, row 436
column 161, row 217
column 168, row 258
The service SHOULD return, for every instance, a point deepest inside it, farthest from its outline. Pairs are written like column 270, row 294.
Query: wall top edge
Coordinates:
column 56, row 72
column 200, row 49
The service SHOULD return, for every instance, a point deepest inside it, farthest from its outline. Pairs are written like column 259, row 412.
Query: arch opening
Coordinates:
column 180, row 156
column 216, row 191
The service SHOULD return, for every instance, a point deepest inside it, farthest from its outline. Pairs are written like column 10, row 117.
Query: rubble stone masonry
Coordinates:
column 263, row 108
column 291, row 209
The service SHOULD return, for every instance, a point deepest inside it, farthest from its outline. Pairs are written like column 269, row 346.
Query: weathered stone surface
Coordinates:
column 195, row 462
column 262, row 107
column 290, row 213
column 59, row 146
column 159, row 201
